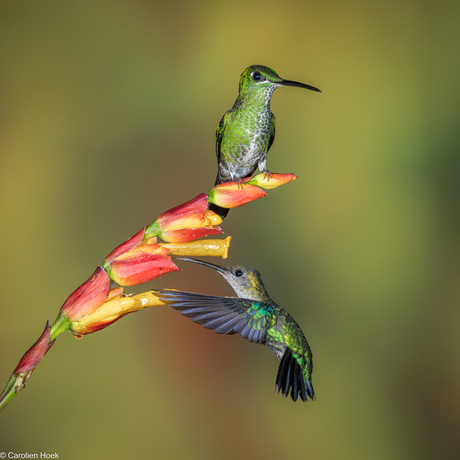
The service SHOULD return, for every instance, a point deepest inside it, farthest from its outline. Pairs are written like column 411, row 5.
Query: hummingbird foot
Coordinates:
column 240, row 183
column 267, row 175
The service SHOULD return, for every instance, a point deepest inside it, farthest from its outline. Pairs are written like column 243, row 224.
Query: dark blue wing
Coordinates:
column 224, row 315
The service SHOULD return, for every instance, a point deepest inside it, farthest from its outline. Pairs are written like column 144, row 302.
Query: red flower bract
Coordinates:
column 187, row 215
column 137, row 261
column 132, row 243
column 141, row 267
column 88, row 297
column 270, row 181
column 187, row 222
column 232, row 195
column 184, row 235
column 35, row 353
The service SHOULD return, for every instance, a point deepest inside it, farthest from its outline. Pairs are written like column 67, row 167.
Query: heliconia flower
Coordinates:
column 270, row 181
column 35, row 353
column 208, row 247
column 186, row 222
column 138, row 260
column 88, row 297
column 117, row 306
column 231, row 195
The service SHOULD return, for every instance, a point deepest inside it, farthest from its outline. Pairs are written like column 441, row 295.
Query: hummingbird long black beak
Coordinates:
column 299, row 85
column 201, row 262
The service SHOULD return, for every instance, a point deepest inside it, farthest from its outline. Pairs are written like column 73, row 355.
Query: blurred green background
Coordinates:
column 108, row 111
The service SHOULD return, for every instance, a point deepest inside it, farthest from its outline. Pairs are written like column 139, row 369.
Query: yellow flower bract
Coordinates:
column 208, row 247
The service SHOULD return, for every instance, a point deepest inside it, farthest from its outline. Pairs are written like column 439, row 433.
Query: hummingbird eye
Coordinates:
column 238, row 273
column 256, row 76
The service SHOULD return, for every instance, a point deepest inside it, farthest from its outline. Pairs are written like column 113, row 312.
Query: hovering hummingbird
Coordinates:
column 254, row 316
column 247, row 131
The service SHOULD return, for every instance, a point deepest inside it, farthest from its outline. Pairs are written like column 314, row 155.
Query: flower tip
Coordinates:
column 269, row 181
column 127, row 246
column 226, row 246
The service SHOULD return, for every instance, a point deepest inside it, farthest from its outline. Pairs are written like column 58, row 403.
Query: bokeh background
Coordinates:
column 108, row 112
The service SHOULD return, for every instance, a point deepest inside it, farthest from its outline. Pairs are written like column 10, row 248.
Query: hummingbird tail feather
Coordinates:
column 290, row 378
column 310, row 390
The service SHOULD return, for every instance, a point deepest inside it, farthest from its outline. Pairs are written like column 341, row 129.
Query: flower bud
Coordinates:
column 270, row 181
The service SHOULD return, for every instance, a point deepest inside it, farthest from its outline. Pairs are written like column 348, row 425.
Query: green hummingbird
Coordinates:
column 247, row 131
column 254, row 316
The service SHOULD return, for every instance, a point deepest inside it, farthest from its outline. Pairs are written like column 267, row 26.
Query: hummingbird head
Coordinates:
column 245, row 281
column 261, row 78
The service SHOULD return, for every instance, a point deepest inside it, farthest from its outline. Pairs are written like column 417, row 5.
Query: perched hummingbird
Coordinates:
column 254, row 316
column 247, row 131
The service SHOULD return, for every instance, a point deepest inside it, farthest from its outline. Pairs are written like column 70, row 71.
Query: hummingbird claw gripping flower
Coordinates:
column 233, row 194
column 138, row 260
column 186, row 222
column 270, row 181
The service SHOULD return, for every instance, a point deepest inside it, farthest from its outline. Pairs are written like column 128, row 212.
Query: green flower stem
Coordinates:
column 152, row 230
column 60, row 325
column 8, row 393
column 211, row 196
column 107, row 268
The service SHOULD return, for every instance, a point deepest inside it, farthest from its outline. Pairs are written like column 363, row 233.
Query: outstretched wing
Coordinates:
column 291, row 377
column 224, row 315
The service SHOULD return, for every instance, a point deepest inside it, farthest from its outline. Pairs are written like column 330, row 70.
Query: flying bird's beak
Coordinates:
column 299, row 85
column 207, row 264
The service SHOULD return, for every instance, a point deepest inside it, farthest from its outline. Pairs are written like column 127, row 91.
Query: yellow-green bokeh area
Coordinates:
column 108, row 113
